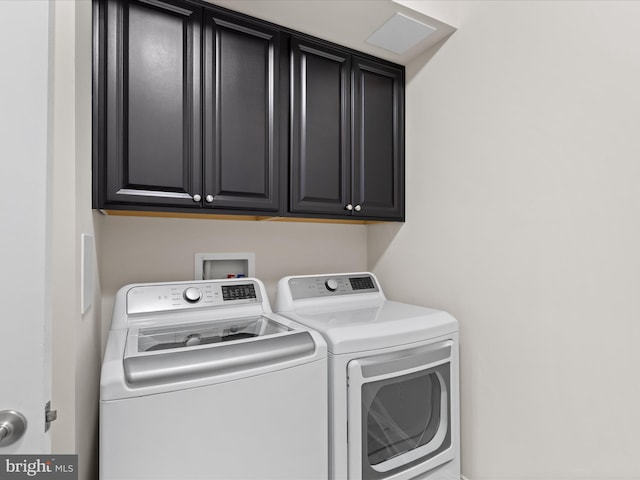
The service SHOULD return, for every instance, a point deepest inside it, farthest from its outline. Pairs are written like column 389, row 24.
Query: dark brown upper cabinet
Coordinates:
column 150, row 97
column 378, row 140
column 189, row 102
column 320, row 172
column 198, row 109
column 347, row 134
column 241, row 105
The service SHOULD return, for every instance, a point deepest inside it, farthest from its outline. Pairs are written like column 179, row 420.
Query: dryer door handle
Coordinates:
column 404, row 360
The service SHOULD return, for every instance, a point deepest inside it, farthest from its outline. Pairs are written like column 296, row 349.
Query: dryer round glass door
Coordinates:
column 399, row 412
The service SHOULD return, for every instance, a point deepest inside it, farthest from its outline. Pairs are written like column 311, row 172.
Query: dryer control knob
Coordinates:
column 192, row 294
column 331, row 284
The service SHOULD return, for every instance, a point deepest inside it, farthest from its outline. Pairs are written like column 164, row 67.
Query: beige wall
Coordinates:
column 138, row 249
column 88, row 330
column 76, row 336
column 64, row 261
column 523, row 208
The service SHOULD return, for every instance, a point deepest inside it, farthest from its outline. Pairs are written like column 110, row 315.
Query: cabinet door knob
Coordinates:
column 349, row 207
column 209, row 198
column 357, row 208
column 197, row 197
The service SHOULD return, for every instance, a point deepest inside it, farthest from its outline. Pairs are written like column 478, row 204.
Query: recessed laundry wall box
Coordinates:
column 201, row 110
column 210, row 266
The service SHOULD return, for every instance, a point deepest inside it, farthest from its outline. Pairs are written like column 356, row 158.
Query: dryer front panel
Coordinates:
column 399, row 408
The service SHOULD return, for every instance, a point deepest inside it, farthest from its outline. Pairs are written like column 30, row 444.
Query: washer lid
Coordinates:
column 368, row 327
column 170, row 337
column 156, row 355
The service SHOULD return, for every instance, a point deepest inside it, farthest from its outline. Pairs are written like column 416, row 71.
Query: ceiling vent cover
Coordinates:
column 400, row 33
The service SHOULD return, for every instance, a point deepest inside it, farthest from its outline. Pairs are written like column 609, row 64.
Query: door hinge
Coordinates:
column 49, row 416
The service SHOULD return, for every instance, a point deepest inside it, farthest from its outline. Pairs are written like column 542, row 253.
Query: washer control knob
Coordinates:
column 331, row 284
column 192, row 294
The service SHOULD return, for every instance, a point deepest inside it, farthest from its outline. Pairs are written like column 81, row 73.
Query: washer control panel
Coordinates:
column 178, row 296
column 331, row 285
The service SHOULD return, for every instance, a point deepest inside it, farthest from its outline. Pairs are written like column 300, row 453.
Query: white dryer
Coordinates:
column 200, row 380
column 393, row 378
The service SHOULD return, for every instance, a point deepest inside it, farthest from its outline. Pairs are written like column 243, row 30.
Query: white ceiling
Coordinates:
column 345, row 22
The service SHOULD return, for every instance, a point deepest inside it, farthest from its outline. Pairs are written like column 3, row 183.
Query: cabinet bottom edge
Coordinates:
column 219, row 216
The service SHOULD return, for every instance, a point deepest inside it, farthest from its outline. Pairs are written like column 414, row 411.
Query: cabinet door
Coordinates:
column 241, row 79
column 378, row 140
column 320, row 171
column 152, row 151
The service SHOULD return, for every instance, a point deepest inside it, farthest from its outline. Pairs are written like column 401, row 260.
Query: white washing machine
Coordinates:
column 393, row 378
column 201, row 380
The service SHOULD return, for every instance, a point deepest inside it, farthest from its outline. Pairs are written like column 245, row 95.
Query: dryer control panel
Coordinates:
column 331, row 285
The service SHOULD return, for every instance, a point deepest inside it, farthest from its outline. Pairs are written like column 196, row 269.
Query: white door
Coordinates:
column 25, row 350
